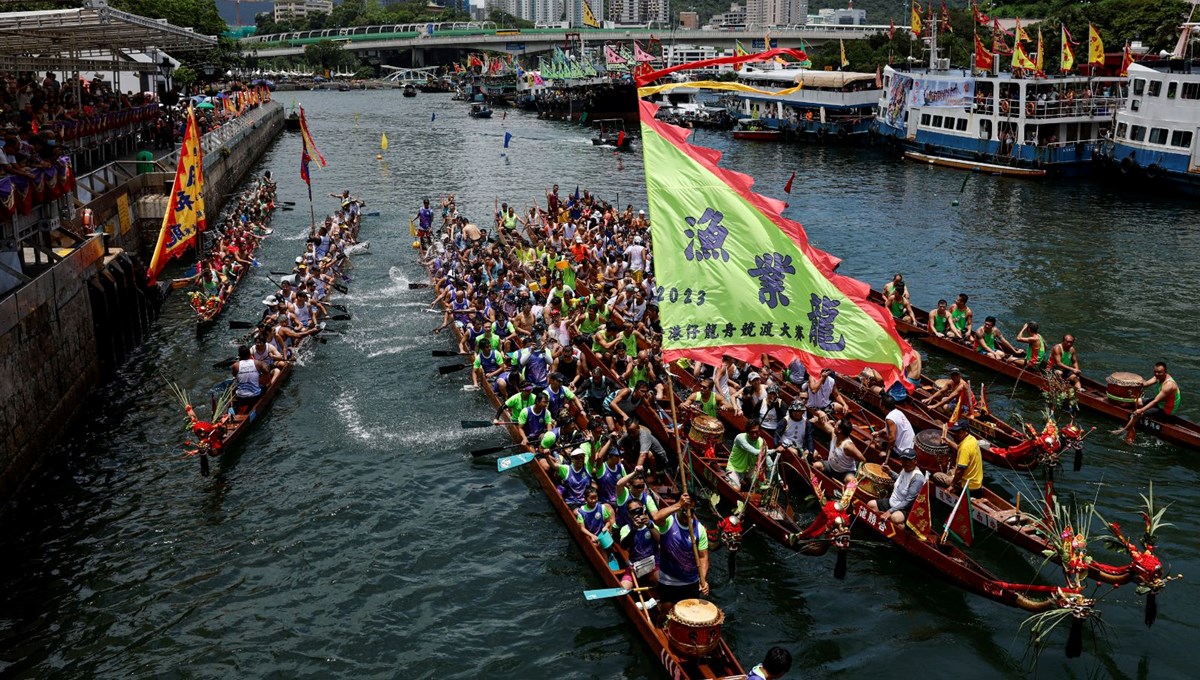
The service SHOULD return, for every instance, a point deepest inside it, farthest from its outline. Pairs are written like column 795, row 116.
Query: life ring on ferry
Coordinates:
column 842, row 134
column 1153, row 170
column 1030, row 108
column 1004, row 107
column 1127, row 165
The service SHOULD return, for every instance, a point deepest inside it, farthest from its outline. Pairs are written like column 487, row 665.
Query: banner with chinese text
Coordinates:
column 735, row 277
column 185, row 206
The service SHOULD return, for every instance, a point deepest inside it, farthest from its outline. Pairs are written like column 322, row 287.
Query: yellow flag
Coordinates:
column 383, row 142
column 1022, row 36
column 589, row 19
column 185, row 206
column 1095, row 46
column 845, row 63
column 1067, row 57
column 1041, row 61
column 1020, row 58
column 916, row 20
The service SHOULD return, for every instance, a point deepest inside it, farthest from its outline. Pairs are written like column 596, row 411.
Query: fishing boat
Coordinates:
column 612, row 134
column 1096, row 396
column 831, row 106
column 480, row 110
column 975, row 166
column 1155, row 143
column 409, row 90
column 1053, row 124
column 292, row 122
column 757, row 131
column 650, row 623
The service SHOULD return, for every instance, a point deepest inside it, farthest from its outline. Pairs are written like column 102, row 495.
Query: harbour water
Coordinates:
column 351, row 535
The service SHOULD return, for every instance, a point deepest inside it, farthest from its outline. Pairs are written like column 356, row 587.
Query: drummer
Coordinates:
column 1165, row 403
column 707, row 400
column 968, row 467
column 906, row 485
column 844, row 456
column 1064, row 361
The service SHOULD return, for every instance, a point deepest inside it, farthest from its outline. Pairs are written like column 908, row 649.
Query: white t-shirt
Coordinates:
column 904, row 431
column 906, row 487
column 636, row 261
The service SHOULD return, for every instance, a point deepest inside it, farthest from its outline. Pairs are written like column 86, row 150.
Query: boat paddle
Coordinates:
column 509, row 462
column 604, row 593
column 417, row 286
column 446, row 353
column 288, row 202
column 477, row 453
column 225, row 363
column 452, row 368
column 474, row 424
column 371, row 214
column 241, row 324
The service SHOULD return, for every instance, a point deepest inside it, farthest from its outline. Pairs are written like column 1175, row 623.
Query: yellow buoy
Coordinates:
column 378, row 156
column 417, row 244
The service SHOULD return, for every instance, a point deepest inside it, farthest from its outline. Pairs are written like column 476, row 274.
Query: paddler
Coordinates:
column 596, row 518
column 707, row 401
column 941, row 322
column 575, row 479
column 958, row 392
column 1037, row 354
column 250, row 377
column 641, row 544
column 906, row 485
column 1165, row 403
column 896, row 301
column 536, row 419
column 683, row 552
column 1064, row 361
column 844, row 456
column 990, row 342
column 779, row 660
column 749, row 450
column 961, row 317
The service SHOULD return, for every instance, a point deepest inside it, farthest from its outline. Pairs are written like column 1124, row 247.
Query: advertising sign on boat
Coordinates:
column 943, row 92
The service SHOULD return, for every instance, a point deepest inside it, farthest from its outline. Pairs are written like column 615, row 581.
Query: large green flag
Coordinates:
column 735, row 277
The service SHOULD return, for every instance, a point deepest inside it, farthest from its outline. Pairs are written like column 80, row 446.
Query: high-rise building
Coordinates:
column 286, row 10
column 637, row 11
column 734, row 18
column 537, row 11
column 763, row 13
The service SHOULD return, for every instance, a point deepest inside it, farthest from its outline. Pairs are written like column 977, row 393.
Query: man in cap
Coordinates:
column 906, row 485
column 793, row 427
column 968, row 467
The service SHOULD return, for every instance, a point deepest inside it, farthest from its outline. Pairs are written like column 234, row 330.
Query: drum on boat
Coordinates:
column 706, row 430
column 694, row 627
column 874, row 480
column 1124, row 388
column 932, row 452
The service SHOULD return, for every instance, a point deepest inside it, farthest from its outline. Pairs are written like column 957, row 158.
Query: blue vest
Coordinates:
column 607, row 483
column 535, row 423
column 643, row 544
column 537, row 369
column 575, row 485
column 593, row 520
column 677, row 560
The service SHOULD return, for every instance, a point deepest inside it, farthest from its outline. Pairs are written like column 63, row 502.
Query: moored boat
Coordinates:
column 831, row 106
column 479, row 110
column 756, row 131
column 409, row 90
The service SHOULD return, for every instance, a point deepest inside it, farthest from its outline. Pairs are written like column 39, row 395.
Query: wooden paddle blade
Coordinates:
column 340, row 317
column 489, row 450
column 226, row 363
column 445, row 353
column 417, row 286
column 452, row 368
column 469, row 424
column 608, row 592
column 510, row 462
column 371, row 214
column 241, row 324
column 340, row 288
column 288, row 202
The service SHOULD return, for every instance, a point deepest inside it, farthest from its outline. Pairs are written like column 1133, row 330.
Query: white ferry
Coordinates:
column 1157, row 136
column 831, row 106
column 997, row 123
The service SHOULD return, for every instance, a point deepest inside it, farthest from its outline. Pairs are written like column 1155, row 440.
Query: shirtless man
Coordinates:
column 950, row 394
column 1064, row 361
column 1165, row 403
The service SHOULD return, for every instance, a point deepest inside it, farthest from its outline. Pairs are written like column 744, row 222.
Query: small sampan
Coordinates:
column 706, row 430
column 1124, row 388
column 874, row 480
column 694, row 627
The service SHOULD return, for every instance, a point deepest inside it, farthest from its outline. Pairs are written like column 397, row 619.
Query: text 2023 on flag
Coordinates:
column 185, row 206
column 737, row 278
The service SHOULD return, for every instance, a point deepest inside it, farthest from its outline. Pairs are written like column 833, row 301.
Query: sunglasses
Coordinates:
column 639, row 486
column 637, row 512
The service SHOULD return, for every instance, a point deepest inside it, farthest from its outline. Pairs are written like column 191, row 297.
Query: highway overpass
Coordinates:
column 486, row 36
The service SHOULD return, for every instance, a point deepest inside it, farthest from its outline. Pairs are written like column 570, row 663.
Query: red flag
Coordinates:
column 920, row 519
column 1126, row 60
column 981, row 19
column 787, row 188
column 984, row 59
column 999, row 44
column 946, row 18
column 892, row 29
column 620, row 138
column 959, row 525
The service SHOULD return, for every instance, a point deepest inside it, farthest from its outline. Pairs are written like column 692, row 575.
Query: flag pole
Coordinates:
column 312, row 213
column 682, row 475
column 950, row 519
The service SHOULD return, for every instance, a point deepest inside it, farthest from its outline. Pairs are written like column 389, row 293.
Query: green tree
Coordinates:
column 328, row 54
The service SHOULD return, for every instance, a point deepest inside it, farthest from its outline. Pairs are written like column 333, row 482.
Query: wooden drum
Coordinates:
column 932, row 452
column 706, row 429
column 694, row 627
column 875, row 481
column 1124, row 388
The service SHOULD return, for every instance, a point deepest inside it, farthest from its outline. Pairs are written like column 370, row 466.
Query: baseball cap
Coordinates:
column 958, row 426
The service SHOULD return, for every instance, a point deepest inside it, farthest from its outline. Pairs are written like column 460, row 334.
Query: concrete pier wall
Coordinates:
column 65, row 332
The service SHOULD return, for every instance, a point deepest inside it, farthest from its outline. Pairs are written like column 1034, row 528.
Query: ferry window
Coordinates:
column 1191, row 90
column 962, row 124
column 1122, row 128
column 1139, row 86
column 1181, row 138
column 1171, row 87
column 925, row 119
column 985, row 129
column 1155, row 88
column 1138, row 133
column 1135, row 104
column 937, row 121
column 949, row 124
column 1158, row 135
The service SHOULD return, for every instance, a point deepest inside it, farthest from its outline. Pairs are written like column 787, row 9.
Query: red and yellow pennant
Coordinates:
column 185, row 206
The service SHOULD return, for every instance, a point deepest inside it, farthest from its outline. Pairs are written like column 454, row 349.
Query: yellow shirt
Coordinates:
column 971, row 458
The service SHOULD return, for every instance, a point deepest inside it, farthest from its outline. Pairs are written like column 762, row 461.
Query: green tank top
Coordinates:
column 590, row 326
column 597, row 337
column 631, row 346
column 990, row 341
column 1040, row 356
column 639, row 375
column 939, row 323
column 959, row 318
column 510, row 222
column 709, row 406
column 1173, row 405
